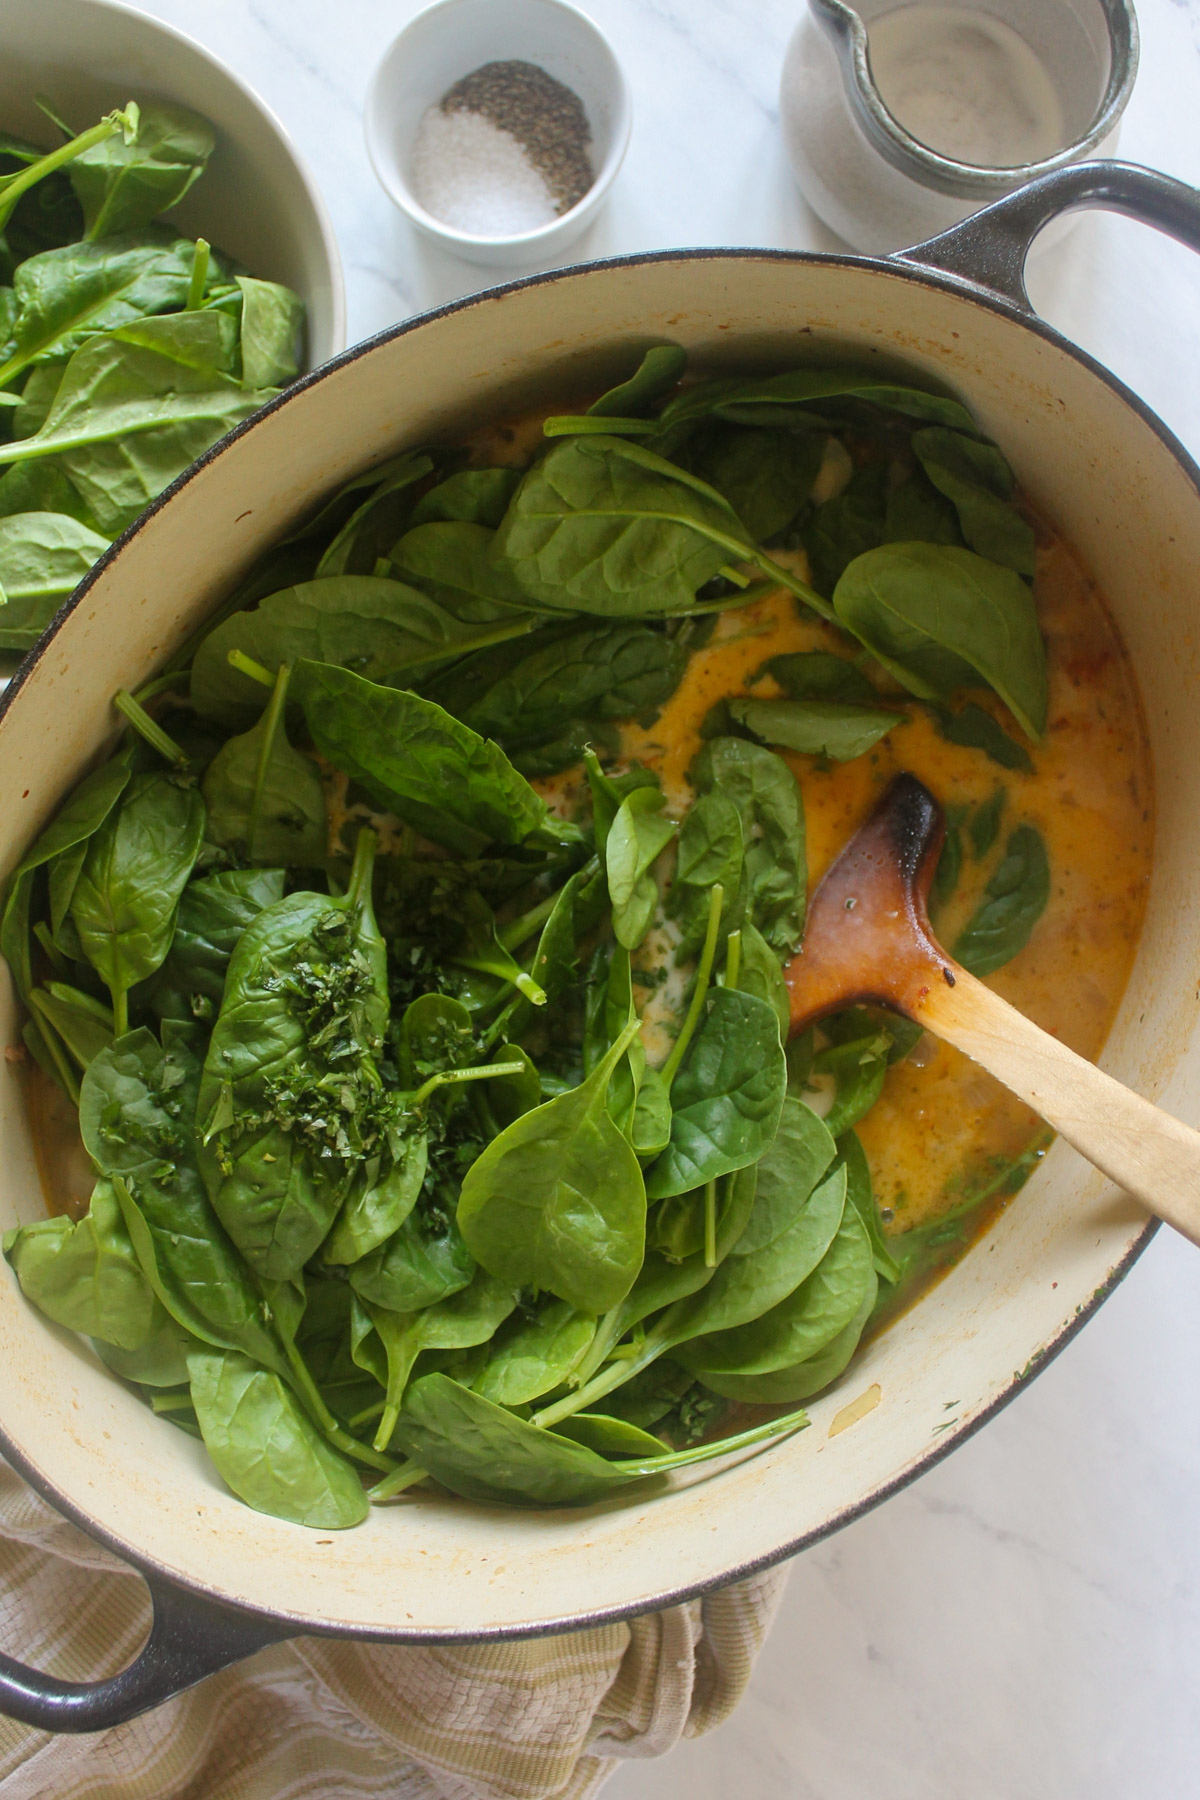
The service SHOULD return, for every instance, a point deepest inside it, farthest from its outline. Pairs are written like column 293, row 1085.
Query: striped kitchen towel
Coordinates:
column 329, row 1719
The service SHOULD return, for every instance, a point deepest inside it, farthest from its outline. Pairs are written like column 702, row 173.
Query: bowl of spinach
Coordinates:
column 327, row 894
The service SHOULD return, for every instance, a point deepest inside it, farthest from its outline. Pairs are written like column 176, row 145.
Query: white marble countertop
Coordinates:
column 1025, row 1620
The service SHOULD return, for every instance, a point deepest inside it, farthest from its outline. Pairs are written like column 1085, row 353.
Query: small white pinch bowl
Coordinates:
column 256, row 200
column 454, row 37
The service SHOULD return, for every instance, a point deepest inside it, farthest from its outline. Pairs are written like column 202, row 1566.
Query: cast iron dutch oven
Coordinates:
column 226, row 1580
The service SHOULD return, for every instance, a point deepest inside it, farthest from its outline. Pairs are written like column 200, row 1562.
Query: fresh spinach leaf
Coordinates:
column 760, row 973
column 136, row 1106
column 266, row 1448
column 415, row 759
column 453, row 562
column 84, row 1024
column 710, row 851
column 638, row 836
column 784, row 1387
column 937, row 618
column 916, row 510
column 975, row 729
column 860, row 1194
column 379, row 1203
column 125, row 182
column 768, row 798
column 265, row 801
column 536, row 1353
column 290, row 1102
column 213, row 913
column 819, row 675
column 984, row 826
column 766, row 476
column 727, row 1096
column 137, row 864
column 374, row 525
column 1014, row 900
column 846, row 526
column 470, row 497
column 755, row 398
column 424, row 1261
column 604, row 526
column 975, row 477
column 657, row 373
column 271, row 323
column 43, row 558
column 85, row 1275
column 832, row 728
column 557, row 1201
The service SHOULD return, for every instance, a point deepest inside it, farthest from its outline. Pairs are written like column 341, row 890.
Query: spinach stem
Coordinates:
column 271, row 724
column 367, row 1414
column 54, row 1050
column 479, row 1072
column 757, row 1434
column 362, row 870
column 735, row 575
column 150, row 690
column 519, row 930
column 120, row 1012
column 195, row 293
column 758, row 590
column 41, row 932
column 246, row 665
column 585, row 424
column 321, row 1415
column 14, row 186
column 614, row 1376
column 733, row 958
column 710, row 1224
column 149, row 728
column 784, row 578
column 405, row 1477
column 716, row 901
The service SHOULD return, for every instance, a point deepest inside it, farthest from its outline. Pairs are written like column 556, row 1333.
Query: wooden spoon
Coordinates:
column 868, row 941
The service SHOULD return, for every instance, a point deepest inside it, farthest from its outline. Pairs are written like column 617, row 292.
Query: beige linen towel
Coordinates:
column 327, row 1719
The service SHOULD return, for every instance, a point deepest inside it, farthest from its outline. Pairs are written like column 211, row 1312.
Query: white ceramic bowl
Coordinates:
column 256, row 200
column 448, row 41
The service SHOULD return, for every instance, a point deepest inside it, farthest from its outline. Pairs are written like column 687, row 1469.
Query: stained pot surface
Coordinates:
column 1123, row 494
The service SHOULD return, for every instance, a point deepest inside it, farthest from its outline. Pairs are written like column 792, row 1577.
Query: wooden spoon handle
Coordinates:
column 1148, row 1153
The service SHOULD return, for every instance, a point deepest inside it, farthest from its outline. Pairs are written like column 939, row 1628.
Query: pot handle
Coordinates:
column 190, row 1638
column 989, row 249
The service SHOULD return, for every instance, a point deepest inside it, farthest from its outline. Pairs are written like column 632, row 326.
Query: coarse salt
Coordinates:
column 476, row 178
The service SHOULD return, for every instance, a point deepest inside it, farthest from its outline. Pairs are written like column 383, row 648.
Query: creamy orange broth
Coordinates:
column 943, row 1133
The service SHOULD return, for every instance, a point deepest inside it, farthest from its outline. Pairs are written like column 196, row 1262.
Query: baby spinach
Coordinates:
column 272, row 319
column 557, row 1201
column 832, row 728
column 766, row 476
column 846, row 526
column 819, row 675
column 85, row 1275
column 727, row 1097
column 379, row 1202
column 83, row 1023
column 755, row 399
column 658, row 372
column 289, row 1099
column 266, row 1448
column 137, row 1103
column 265, row 801
column 423, row 1262
column 213, row 913
column 419, row 762
column 1014, row 900
column 710, row 851
column 975, row 729
column 483, row 1452
column 784, row 1387
column 936, row 617
column 454, row 563
column 975, row 477
column 860, row 1195
column 983, row 827
column 604, row 526
column 43, row 558
column 638, row 836
column 470, row 497
column 375, row 524
column 127, row 180
column 536, row 1353
column 759, row 973
column 771, row 807
column 137, row 863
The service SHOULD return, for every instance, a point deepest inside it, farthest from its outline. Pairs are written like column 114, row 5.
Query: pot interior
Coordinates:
column 1122, row 495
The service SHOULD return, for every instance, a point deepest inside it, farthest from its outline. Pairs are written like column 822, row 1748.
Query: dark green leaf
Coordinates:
column 727, row 1096
column 604, row 526
column 1014, row 901
column 533, row 1355
column 122, row 186
column 846, row 526
column 762, row 395
column 471, row 497
column 984, row 826
column 213, row 913
column 819, row 675
column 453, row 563
column 43, row 558
column 272, row 320
column 766, row 476
column 768, row 798
column 413, row 758
column 423, row 1262
column 557, row 1200
column 860, row 1194
column 272, row 814
column 86, row 1275
column 267, row 1449
column 975, row 477
column 937, row 617
column 975, row 729
column 832, row 728
column 657, row 373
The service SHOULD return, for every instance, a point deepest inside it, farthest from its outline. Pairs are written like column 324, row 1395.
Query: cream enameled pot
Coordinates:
column 227, row 1580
